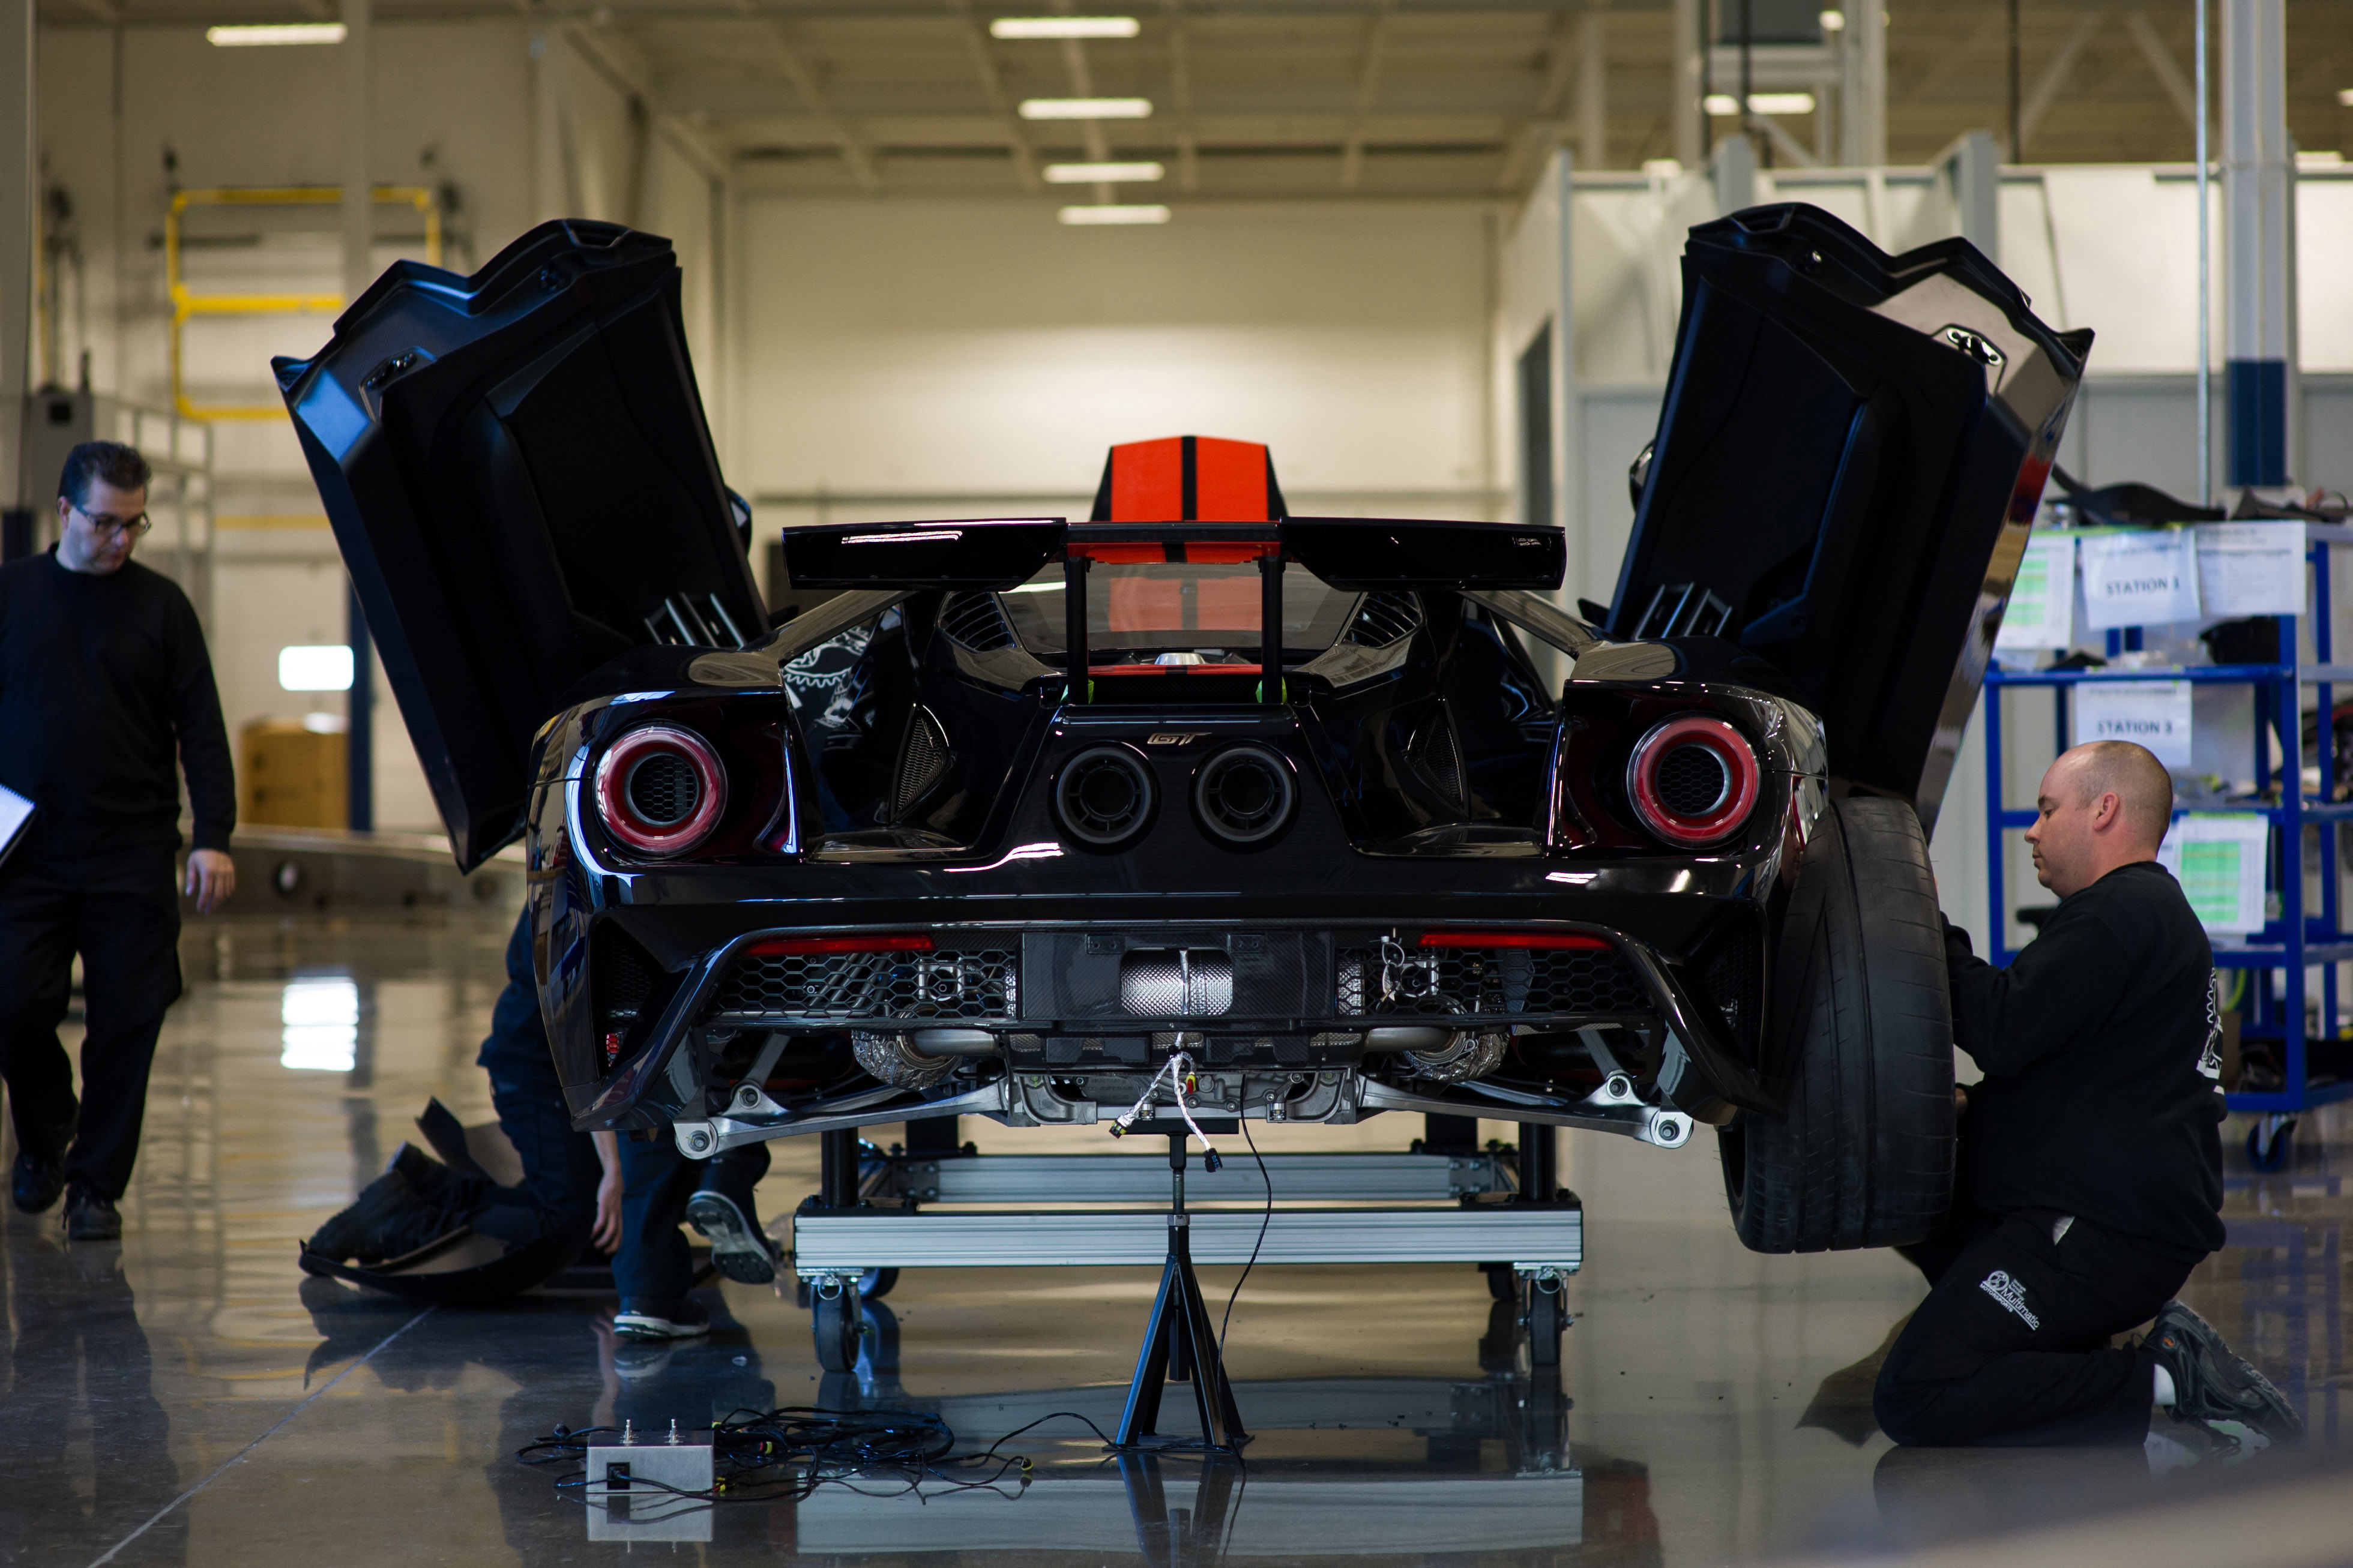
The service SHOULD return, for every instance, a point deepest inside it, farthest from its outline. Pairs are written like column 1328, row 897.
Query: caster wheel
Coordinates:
column 838, row 1323
column 2269, row 1145
column 1500, row 1283
column 1545, row 1321
column 875, row 1283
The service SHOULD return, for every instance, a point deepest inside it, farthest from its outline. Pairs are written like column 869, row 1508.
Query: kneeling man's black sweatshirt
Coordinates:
column 2101, row 1052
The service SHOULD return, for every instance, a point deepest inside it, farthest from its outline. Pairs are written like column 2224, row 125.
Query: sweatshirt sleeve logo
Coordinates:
column 2011, row 1294
column 2210, row 1060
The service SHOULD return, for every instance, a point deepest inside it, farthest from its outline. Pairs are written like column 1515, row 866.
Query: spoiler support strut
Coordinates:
column 1074, row 622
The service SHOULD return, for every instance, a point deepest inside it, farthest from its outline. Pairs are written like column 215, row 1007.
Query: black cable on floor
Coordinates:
column 1266, row 1220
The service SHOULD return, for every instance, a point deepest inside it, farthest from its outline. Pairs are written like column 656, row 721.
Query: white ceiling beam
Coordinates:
column 2047, row 87
column 1543, row 130
column 785, row 51
column 1000, row 101
column 1368, row 86
column 2162, row 64
column 1180, row 96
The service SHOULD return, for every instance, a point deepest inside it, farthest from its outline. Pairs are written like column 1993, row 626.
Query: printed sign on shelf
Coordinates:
column 2043, row 600
column 2153, row 713
column 2251, row 568
column 2140, row 579
column 2219, row 860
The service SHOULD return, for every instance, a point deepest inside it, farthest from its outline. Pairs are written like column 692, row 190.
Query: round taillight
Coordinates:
column 1693, row 780
column 661, row 789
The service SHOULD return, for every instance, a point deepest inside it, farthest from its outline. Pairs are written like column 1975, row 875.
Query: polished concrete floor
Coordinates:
column 189, row 1397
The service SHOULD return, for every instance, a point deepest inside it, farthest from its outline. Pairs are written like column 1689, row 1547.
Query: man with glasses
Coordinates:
column 106, row 697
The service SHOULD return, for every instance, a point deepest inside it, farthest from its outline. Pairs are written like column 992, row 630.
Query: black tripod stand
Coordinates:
column 1179, row 1343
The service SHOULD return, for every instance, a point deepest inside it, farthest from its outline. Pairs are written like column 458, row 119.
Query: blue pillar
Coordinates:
column 2259, row 271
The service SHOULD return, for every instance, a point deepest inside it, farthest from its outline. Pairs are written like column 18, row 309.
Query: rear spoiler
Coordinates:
column 991, row 555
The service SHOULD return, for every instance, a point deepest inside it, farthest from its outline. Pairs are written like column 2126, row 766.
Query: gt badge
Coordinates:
column 1175, row 738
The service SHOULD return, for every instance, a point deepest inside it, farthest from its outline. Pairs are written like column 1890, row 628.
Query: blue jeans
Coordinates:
column 560, row 1169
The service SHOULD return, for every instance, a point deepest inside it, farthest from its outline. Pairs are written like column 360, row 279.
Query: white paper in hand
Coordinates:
column 2152, row 713
column 15, row 812
column 2140, row 579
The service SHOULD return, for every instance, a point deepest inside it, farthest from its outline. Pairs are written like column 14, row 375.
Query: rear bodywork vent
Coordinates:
column 626, row 988
column 922, row 762
column 1438, row 757
column 1730, row 967
column 1382, row 619
column 1105, row 796
column 978, row 622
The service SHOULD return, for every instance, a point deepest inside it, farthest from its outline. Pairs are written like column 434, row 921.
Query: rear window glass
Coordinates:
column 1178, row 607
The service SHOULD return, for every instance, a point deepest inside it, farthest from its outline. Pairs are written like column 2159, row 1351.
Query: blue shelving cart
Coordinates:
column 2296, row 938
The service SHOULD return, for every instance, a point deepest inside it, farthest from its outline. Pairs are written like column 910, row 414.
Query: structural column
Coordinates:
column 359, row 271
column 1682, row 85
column 1864, row 117
column 2258, row 268
column 19, row 185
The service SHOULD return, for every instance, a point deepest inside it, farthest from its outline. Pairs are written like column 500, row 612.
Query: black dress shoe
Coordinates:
column 90, row 1218
column 38, row 1183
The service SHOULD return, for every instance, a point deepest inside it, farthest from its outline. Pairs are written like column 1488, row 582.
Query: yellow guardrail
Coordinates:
column 187, row 305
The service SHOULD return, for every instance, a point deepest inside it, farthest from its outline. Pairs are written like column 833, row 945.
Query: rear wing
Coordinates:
column 1359, row 553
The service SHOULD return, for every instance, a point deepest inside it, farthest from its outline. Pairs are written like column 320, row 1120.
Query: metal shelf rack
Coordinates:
column 2296, row 937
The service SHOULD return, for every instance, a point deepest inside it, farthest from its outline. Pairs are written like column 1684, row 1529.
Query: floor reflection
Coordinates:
column 1714, row 1404
column 85, row 1446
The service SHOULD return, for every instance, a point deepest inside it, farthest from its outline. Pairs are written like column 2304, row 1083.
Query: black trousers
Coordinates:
column 2011, row 1349
column 122, row 913
column 657, row 1182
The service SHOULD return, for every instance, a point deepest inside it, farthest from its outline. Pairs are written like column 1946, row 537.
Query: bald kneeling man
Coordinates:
column 2090, row 1168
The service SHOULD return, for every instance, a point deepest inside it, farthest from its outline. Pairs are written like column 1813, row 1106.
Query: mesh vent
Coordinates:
column 1693, row 781
column 857, row 986
column 922, row 759
column 1731, row 966
column 1434, row 754
column 977, row 621
column 1382, row 618
column 622, row 975
column 1439, row 981
column 663, row 790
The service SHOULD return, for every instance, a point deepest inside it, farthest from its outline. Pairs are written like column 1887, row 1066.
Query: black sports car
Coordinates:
column 1029, row 805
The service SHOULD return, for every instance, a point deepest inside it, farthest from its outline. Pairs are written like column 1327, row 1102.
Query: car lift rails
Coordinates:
column 936, row 1205
column 2297, row 937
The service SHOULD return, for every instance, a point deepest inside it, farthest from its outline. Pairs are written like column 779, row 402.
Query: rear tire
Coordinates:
column 1862, row 1012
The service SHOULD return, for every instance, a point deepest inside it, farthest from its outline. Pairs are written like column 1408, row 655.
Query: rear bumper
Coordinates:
column 1299, row 998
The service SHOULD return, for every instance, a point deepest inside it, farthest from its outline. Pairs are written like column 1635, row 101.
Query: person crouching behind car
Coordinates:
column 2090, row 1171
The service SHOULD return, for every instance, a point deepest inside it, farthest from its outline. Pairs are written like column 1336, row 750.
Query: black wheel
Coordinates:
column 875, row 1283
column 1501, row 1284
column 838, row 1322
column 1861, row 1028
column 2270, row 1154
column 1547, row 1319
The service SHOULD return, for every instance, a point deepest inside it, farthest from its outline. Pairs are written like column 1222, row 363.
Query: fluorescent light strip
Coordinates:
column 1760, row 103
column 276, row 33
column 1833, row 21
column 1063, row 27
column 1101, row 173
column 1107, row 215
column 1086, row 109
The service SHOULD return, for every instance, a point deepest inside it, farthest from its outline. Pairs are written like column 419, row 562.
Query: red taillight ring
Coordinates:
column 619, row 768
column 1685, row 828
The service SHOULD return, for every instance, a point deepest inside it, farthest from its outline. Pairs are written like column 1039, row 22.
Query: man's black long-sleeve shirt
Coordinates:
column 104, row 686
column 2102, row 1054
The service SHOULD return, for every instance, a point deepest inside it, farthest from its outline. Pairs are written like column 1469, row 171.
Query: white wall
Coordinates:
column 932, row 358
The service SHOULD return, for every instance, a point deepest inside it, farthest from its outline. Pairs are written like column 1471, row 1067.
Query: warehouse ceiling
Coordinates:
column 1286, row 99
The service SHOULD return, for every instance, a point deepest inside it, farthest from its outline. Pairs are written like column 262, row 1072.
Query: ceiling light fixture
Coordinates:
column 1833, row 21
column 1101, row 173
column 2345, row 98
column 1106, row 216
column 276, row 33
column 1760, row 103
column 1063, row 27
column 1086, row 109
